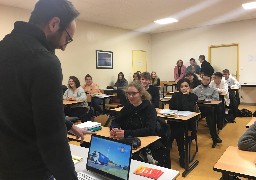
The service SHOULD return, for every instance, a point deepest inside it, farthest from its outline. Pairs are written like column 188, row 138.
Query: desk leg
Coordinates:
column 225, row 176
column 187, row 160
column 103, row 106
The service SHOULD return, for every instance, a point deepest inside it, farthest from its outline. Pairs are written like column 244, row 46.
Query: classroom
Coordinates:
column 102, row 27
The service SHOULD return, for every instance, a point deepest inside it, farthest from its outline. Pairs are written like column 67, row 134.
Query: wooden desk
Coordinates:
column 236, row 162
column 103, row 97
column 184, row 120
column 66, row 102
column 145, row 141
column 81, row 166
column 213, row 110
column 251, row 122
column 170, row 83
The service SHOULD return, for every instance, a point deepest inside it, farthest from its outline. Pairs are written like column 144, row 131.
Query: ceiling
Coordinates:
column 138, row 15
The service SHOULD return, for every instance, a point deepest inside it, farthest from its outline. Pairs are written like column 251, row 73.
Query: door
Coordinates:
column 139, row 61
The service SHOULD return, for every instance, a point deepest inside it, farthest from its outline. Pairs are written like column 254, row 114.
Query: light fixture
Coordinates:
column 250, row 5
column 166, row 21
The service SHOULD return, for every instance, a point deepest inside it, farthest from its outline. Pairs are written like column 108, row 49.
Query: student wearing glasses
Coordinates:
column 138, row 117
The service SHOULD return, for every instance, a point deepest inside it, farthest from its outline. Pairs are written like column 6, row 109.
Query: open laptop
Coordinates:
column 108, row 158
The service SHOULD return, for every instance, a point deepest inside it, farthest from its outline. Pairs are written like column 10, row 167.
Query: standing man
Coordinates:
column 33, row 134
column 206, row 67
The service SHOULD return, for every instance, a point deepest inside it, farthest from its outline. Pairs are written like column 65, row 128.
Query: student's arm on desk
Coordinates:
column 247, row 141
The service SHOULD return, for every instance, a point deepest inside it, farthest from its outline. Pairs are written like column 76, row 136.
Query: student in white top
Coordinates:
column 220, row 85
column 76, row 93
column 230, row 80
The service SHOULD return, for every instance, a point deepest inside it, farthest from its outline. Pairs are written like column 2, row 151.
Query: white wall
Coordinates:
column 79, row 58
column 168, row 47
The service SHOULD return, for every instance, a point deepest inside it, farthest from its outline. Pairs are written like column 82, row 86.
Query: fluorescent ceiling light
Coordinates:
column 166, row 21
column 250, row 5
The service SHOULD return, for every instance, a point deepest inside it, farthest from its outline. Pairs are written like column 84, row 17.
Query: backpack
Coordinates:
column 244, row 113
column 254, row 114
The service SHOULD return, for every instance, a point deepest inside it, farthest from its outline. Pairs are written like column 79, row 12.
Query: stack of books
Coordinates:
column 90, row 126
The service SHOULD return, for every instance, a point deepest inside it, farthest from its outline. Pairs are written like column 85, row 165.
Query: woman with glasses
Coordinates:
column 138, row 117
column 76, row 93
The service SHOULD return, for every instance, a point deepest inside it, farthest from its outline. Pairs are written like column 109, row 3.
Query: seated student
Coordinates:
column 193, row 80
column 179, row 71
column 247, row 141
column 182, row 101
column 220, row 85
column 137, row 119
column 230, row 80
column 205, row 92
column 136, row 77
column 76, row 93
column 121, row 84
column 193, row 67
column 152, row 90
column 155, row 79
column 92, row 88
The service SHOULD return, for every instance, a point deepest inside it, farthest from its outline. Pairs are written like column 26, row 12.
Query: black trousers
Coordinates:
column 211, row 118
column 178, row 133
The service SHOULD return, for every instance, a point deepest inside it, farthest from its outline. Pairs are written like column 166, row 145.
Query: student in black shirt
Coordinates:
column 183, row 100
column 152, row 90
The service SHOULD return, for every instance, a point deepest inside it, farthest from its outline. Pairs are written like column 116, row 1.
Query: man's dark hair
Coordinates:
column 45, row 10
column 192, row 59
column 76, row 81
column 88, row 75
column 207, row 75
column 202, row 57
column 189, row 73
column 219, row 74
column 146, row 75
column 182, row 81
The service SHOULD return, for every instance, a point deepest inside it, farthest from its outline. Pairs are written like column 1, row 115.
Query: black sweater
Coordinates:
column 33, row 134
column 183, row 102
column 154, row 92
column 137, row 121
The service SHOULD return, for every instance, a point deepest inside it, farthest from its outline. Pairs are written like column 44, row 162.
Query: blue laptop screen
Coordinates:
column 109, row 157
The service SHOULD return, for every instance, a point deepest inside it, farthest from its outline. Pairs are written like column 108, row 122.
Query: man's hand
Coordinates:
column 79, row 133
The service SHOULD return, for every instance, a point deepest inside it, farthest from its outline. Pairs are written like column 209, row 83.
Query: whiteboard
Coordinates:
column 225, row 57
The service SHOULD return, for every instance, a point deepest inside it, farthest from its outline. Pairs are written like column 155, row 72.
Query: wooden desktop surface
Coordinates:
column 237, row 161
column 183, row 118
column 105, row 131
column 66, row 102
column 251, row 122
column 212, row 102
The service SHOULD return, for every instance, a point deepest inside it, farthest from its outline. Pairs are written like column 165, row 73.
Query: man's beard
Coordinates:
column 53, row 41
column 205, row 85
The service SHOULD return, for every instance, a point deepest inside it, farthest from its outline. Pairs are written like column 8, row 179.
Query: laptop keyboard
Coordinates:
column 84, row 176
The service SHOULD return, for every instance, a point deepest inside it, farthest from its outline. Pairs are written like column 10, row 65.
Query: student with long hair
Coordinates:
column 183, row 100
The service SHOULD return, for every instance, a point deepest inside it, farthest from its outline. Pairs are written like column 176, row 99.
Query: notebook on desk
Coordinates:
column 108, row 158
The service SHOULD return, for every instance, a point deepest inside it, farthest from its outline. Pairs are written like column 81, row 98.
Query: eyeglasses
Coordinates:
column 131, row 93
column 70, row 38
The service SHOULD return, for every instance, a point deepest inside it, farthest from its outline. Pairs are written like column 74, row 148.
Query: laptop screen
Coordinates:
column 109, row 157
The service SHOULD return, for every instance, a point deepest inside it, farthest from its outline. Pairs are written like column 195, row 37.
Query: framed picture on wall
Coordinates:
column 104, row 59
